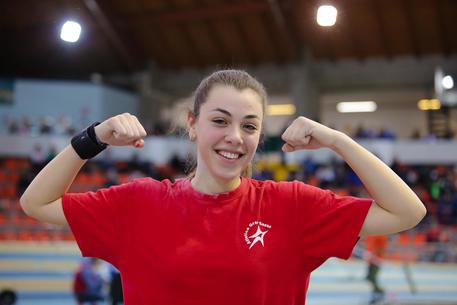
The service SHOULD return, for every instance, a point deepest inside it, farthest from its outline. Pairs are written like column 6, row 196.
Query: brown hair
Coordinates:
column 238, row 79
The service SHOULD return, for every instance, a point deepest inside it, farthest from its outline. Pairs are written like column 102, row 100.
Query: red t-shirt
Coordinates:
column 254, row 245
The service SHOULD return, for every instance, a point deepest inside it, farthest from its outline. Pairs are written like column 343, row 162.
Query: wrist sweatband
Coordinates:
column 86, row 143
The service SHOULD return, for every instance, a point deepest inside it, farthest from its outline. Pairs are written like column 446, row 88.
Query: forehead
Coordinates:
column 240, row 103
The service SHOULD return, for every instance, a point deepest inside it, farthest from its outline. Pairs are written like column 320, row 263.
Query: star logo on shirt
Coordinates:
column 258, row 237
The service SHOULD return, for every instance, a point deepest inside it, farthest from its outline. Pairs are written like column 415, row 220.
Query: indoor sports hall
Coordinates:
column 379, row 71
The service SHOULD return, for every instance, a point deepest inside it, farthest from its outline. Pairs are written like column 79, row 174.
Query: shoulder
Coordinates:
column 292, row 188
column 146, row 185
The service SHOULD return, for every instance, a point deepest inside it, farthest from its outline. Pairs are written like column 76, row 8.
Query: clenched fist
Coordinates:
column 304, row 133
column 121, row 130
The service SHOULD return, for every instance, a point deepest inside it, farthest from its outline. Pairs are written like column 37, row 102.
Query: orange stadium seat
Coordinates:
column 124, row 178
column 420, row 239
column 8, row 235
column 11, row 164
column 403, row 239
column 25, row 235
column 42, row 236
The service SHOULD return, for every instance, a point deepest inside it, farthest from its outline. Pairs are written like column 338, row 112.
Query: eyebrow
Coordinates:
column 249, row 116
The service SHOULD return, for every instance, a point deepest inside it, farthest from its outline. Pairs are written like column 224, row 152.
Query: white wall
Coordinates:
column 37, row 98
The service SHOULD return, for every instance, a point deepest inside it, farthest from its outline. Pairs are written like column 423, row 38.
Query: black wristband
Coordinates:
column 86, row 143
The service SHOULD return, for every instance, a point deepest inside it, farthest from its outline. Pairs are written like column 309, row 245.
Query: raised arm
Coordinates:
column 42, row 198
column 396, row 207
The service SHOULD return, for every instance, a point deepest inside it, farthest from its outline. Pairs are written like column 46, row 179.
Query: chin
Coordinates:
column 228, row 176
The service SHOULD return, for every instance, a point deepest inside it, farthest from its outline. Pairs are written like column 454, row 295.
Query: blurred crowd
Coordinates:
column 62, row 125
column 386, row 133
column 435, row 185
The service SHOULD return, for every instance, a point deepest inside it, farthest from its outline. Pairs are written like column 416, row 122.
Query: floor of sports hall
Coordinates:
column 42, row 274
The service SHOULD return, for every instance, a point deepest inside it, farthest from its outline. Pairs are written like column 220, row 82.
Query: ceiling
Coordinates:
column 122, row 36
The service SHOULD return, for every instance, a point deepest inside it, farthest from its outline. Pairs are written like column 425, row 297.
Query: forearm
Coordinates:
column 53, row 180
column 387, row 189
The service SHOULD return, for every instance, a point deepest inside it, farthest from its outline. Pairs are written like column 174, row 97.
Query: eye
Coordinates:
column 219, row 121
column 250, row 127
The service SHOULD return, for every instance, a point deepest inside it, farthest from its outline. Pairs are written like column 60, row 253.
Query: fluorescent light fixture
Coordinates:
column 70, row 31
column 429, row 104
column 326, row 15
column 362, row 106
column 448, row 82
column 281, row 109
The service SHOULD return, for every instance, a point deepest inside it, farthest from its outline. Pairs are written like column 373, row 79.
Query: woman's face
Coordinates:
column 227, row 132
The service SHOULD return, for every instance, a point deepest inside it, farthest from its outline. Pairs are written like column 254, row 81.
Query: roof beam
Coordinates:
column 442, row 28
column 113, row 37
column 352, row 30
column 218, row 11
column 284, row 25
column 375, row 6
column 187, row 38
column 407, row 7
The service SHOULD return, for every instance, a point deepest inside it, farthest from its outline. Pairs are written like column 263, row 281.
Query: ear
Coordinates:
column 191, row 120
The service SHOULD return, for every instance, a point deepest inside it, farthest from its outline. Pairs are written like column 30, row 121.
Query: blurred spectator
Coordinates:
column 434, row 232
column 37, row 157
column 115, row 286
column 415, row 134
column 12, row 125
column 112, row 178
column 52, row 152
column 386, row 133
column 363, row 133
column 326, row 175
column 25, row 178
column 8, row 297
column 26, row 125
column 376, row 247
column 46, row 125
column 88, row 283
column 64, row 126
column 309, row 167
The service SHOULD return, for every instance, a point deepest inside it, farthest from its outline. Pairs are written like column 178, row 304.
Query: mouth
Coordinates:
column 229, row 155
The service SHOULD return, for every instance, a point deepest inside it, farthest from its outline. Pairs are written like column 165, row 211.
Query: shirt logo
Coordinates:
column 254, row 233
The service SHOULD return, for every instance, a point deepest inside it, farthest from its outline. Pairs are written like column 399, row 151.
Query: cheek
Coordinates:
column 207, row 138
column 253, row 143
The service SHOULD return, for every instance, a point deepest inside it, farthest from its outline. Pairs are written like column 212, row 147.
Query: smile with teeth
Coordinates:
column 229, row 155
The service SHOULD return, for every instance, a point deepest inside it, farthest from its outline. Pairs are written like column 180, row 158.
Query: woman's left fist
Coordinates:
column 304, row 133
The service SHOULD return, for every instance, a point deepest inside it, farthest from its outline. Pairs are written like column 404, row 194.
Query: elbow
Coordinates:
column 418, row 214
column 25, row 205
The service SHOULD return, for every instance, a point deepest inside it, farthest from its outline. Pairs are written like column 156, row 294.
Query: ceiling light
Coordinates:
column 362, row 106
column 448, row 82
column 281, row 109
column 326, row 15
column 70, row 31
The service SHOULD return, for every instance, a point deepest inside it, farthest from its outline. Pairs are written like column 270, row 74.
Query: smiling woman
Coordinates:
column 227, row 132
column 218, row 236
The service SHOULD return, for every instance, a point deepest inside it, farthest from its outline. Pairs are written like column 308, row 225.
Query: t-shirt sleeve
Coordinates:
column 99, row 220
column 331, row 223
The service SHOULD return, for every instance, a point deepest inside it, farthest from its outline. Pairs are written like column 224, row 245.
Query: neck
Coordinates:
column 211, row 185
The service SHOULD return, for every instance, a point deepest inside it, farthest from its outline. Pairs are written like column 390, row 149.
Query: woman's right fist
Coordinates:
column 121, row 130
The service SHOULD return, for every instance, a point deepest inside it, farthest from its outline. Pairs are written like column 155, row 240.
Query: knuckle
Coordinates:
column 122, row 133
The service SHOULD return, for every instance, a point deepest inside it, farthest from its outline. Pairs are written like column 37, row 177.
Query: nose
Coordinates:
column 233, row 135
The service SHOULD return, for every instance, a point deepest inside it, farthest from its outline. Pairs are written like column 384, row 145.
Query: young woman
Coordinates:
column 219, row 237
